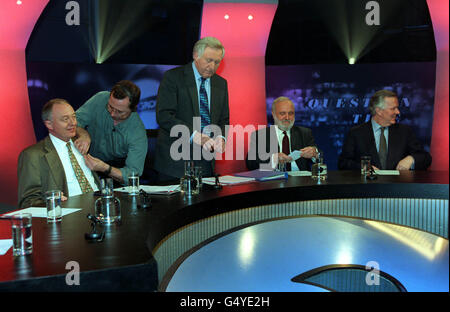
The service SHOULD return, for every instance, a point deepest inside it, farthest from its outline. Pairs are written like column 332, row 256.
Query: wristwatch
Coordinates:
column 107, row 172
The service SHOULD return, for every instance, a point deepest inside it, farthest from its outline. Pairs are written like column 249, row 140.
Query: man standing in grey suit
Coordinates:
column 54, row 163
column 192, row 97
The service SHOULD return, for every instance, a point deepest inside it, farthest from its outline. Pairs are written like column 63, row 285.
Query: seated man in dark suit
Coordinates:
column 280, row 140
column 389, row 144
column 54, row 163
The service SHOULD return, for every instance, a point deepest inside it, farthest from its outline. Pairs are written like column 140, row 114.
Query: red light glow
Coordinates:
column 439, row 139
column 16, row 127
column 243, row 65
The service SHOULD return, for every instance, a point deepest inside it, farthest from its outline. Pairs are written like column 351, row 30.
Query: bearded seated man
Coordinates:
column 282, row 140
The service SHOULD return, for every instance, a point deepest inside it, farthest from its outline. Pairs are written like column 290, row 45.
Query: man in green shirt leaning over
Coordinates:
column 110, row 129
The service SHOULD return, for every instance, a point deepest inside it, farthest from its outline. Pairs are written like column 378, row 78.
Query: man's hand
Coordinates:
column 95, row 164
column 83, row 141
column 405, row 163
column 219, row 145
column 82, row 145
column 309, row 152
column 204, row 141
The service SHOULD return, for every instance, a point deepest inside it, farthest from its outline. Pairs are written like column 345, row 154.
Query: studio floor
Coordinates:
column 266, row 257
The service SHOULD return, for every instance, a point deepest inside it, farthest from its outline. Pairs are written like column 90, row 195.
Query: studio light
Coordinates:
column 117, row 24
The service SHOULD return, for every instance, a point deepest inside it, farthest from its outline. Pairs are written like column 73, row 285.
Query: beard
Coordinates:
column 283, row 126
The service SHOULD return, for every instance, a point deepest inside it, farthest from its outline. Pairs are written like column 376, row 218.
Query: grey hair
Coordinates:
column 46, row 113
column 280, row 99
column 210, row 42
column 377, row 100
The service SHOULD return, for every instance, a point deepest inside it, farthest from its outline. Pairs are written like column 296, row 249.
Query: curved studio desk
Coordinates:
column 143, row 253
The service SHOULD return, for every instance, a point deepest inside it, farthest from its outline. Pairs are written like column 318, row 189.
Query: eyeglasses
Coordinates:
column 115, row 111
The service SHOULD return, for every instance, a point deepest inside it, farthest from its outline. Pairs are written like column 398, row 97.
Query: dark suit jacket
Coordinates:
column 300, row 137
column 39, row 170
column 177, row 104
column 402, row 142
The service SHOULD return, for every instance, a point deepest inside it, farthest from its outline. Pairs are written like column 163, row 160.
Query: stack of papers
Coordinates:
column 154, row 189
column 263, row 175
column 227, row 180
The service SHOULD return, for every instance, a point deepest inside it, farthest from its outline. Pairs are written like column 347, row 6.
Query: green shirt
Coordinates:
column 127, row 140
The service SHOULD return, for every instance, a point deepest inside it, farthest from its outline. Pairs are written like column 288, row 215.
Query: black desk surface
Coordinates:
column 128, row 246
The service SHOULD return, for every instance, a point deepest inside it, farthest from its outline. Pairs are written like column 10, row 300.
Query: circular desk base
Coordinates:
column 265, row 257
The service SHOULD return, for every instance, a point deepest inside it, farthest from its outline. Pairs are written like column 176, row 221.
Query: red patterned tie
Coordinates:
column 286, row 149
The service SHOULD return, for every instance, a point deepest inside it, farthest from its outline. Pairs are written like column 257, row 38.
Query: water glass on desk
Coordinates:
column 107, row 187
column 198, row 177
column 22, row 236
column 319, row 169
column 365, row 165
column 53, row 203
column 133, row 183
column 281, row 166
column 188, row 182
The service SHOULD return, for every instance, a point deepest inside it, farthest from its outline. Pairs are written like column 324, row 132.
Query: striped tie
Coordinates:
column 204, row 110
column 84, row 183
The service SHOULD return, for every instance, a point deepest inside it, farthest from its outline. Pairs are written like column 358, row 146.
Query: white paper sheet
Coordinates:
column 41, row 212
column 295, row 155
column 5, row 244
column 228, row 180
column 154, row 189
column 387, row 172
column 299, row 173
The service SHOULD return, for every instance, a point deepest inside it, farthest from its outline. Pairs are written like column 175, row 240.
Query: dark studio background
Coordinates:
column 304, row 60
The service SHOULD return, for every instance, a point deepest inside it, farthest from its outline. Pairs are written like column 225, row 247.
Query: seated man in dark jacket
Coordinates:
column 390, row 145
column 281, row 140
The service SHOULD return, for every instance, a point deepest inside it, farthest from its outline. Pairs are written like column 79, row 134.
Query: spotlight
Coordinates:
column 250, row 17
column 226, row 16
column 19, row 2
column 351, row 60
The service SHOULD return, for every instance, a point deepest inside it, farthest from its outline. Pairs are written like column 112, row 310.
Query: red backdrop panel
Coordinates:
column 16, row 127
column 245, row 42
column 439, row 139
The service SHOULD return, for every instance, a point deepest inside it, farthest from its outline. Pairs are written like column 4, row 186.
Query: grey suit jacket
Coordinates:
column 300, row 137
column 39, row 170
column 177, row 104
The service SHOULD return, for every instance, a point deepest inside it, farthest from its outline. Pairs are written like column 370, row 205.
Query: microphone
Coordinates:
column 94, row 236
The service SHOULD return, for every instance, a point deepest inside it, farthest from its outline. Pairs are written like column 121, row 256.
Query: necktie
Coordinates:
column 286, row 149
column 84, row 183
column 382, row 153
column 204, row 110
